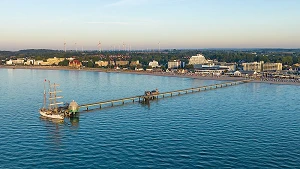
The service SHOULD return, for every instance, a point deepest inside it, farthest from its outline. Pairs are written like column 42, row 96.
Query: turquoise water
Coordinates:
column 253, row 125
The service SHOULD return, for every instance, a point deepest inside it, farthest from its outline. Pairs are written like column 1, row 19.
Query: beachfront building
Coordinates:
column 153, row 64
column 101, row 63
column 261, row 66
column 209, row 70
column 175, row 64
column 253, row 66
column 19, row 61
column 229, row 66
column 38, row 62
column 134, row 63
column 75, row 64
column 198, row 59
column 9, row 62
column 237, row 74
column 272, row 67
column 29, row 62
column 122, row 63
column 54, row 61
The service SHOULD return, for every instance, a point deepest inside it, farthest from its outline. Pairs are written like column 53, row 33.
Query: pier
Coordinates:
column 147, row 98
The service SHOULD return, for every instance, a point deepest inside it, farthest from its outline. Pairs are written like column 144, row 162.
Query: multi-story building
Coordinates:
column 175, row 64
column 261, row 66
column 272, row 66
column 101, row 63
column 54, row 61
column 253, row 66
column 199, row 59
column 19, row 61
column 122, row 62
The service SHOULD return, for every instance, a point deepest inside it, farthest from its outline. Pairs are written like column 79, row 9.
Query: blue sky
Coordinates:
column 142, row 24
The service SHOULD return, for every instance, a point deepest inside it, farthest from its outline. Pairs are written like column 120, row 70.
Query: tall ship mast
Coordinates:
column 53, row 110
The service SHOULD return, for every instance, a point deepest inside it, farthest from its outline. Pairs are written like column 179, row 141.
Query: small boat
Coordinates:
column 53, row 111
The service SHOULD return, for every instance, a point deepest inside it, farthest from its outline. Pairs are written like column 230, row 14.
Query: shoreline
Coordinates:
column 221, row 78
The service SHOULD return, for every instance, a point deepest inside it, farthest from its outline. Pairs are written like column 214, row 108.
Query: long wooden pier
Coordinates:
column 143, row 98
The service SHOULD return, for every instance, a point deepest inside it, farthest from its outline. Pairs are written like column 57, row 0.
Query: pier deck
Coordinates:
column 143, row 98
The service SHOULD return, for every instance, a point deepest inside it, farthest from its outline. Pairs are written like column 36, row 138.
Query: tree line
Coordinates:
column 284, row 56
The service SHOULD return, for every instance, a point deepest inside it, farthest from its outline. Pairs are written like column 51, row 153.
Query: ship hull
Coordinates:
column 50, row 115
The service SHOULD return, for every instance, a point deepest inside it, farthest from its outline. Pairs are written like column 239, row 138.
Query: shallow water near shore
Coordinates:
column 252, row 125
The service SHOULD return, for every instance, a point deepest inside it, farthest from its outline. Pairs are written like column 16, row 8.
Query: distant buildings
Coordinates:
column 272, row 67
column 75, row 64
column 19, row 61
column 101, row 63
column 175, row 64
column 153, row 64
column 54, row 61
column 122, row 63
column 134, row 63
column 261, row 66
column 9, row 62
column 29, row 62
column 199, row 59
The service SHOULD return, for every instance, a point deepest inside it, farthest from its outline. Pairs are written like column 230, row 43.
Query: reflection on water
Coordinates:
column 55, row 126
column 73, row 122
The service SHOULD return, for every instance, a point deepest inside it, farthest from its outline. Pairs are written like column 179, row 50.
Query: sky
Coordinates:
column 149, row 24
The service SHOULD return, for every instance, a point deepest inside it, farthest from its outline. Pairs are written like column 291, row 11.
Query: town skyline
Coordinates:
column 142, row 24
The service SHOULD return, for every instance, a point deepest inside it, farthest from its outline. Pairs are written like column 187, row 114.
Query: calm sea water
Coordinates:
column 246, row 126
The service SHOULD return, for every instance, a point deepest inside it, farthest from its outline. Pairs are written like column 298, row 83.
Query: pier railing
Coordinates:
column 143, row 98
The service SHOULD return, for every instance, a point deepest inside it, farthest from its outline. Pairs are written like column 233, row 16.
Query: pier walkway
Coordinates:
column 143, row 98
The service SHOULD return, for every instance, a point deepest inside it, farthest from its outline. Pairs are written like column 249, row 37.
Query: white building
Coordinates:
column 29, row 62
column 101, row 63
column 38, row 62
column 175, row 64
column 19, row 61
column 199, row 59
column 153, row 64
column 9, row 62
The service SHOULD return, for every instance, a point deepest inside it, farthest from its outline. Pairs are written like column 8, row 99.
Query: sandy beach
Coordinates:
column 221, row 78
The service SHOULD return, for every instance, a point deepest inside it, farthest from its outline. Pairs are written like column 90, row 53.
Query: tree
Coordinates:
column 288, row 60
column 189, row 67
column 90, row 63
column 64, row 63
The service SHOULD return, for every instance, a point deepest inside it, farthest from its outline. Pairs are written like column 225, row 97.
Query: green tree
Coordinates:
column 64, row 63
column 189, row 67
column 288, row 60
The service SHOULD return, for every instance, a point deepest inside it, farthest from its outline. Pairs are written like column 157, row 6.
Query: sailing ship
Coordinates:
column 52, row 111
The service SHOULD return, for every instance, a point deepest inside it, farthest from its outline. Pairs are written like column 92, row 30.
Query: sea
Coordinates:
column 251, row 125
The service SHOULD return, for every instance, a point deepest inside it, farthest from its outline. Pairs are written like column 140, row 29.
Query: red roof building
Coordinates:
column 75, row 64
